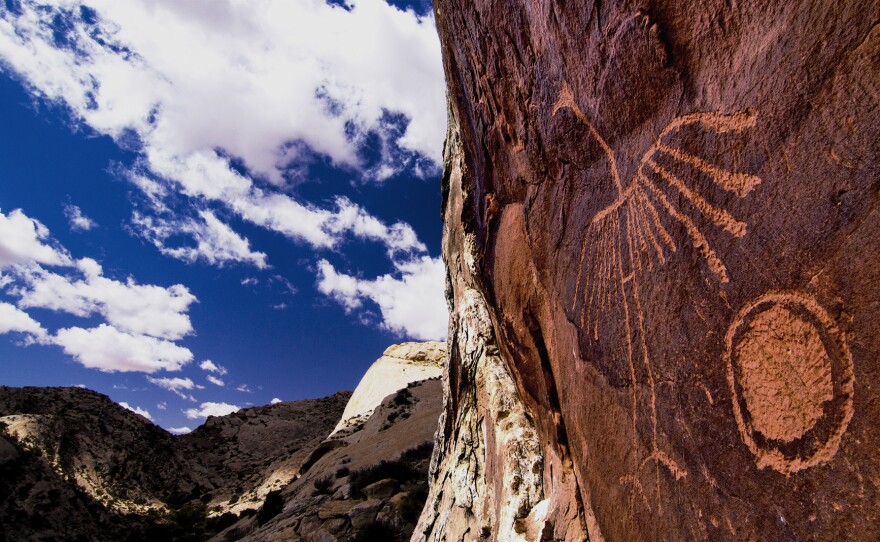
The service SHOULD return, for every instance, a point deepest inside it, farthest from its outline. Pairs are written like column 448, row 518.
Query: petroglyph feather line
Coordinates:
column 738, row 183
column 719, row 217
column 699, row 240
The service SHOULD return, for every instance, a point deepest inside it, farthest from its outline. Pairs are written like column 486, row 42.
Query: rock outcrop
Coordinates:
column 400, row 364
column 74, row 465
column 661, row 228
column 368, row 481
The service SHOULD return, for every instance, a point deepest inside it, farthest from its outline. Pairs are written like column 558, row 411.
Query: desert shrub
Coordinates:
column 191, row 515
column 420, row 452
column 272, row 506
column 323, row 485
column 403, row 397
column 222, row 521
column 342, row 472
column 411, row 465
column 397, row 470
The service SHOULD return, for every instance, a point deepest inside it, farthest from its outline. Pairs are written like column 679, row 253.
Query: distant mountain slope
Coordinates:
column 115, row 456
column 74, row 465
column 259, row 449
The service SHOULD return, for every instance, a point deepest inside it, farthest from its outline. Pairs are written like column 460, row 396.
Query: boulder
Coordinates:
column 321, row 535
column 402, row 499
column 381, row 489
column 336, row 509
column 336, row 526
column 364, row 513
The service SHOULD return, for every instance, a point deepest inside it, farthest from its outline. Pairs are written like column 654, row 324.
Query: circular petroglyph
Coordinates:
column 785, row 373
column 791, row 380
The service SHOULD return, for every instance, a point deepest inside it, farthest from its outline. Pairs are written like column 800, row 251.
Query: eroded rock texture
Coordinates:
column 662, row 230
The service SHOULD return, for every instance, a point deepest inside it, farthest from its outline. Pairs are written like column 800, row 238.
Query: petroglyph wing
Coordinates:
column 631, row 235
column 661, row 179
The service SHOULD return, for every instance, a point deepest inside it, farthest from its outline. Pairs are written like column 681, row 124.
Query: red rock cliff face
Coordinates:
column 662, row 230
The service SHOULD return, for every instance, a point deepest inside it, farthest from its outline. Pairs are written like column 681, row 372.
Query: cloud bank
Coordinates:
column 141, row 322
column 227, row 102
column 411, row 299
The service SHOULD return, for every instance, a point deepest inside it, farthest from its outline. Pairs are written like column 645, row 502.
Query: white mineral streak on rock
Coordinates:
column 400, row 365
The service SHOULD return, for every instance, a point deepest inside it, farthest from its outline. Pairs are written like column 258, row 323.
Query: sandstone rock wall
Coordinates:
column 662, row 230
column 492, row 477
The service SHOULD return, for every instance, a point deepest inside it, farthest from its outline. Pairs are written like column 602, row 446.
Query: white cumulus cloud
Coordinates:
column 249, row 77
column 411, row 300
column 265, row 82
column 275, row 401
column 214, row 380
column 210, row 409
column 13, row 319
column 213, row 241
column 225, row 103
column 109, row 350
column 141, row 309
column 141, row 320
column 25, row 240
column 176, row 385
column 179, row 430
column 212, row 367
column 77, row 220
column 136, row 410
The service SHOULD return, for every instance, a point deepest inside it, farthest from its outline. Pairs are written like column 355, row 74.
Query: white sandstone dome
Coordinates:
column 399, row 366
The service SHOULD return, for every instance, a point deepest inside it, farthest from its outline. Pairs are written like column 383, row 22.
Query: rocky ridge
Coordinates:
column 74, row 465
column 136, row 480
column 399, row 365
column 368, row 482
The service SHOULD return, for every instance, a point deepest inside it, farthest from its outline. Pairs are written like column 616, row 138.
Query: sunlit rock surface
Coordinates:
column 399, row 365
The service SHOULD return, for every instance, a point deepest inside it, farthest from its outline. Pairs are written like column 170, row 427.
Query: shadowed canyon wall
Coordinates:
column 662, row 233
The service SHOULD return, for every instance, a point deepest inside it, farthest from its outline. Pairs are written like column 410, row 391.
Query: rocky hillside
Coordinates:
column 661, row 228
column 136, row 480
column 260, row 449
column 76, row 466
column 116, row 457
column 369, row 481
column 369, row 485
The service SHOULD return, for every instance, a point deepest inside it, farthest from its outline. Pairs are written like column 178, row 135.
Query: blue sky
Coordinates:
column 211, row 204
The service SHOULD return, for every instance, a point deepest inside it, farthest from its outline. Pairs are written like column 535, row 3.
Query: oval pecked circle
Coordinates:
column 791, row 379
column 785, row 372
